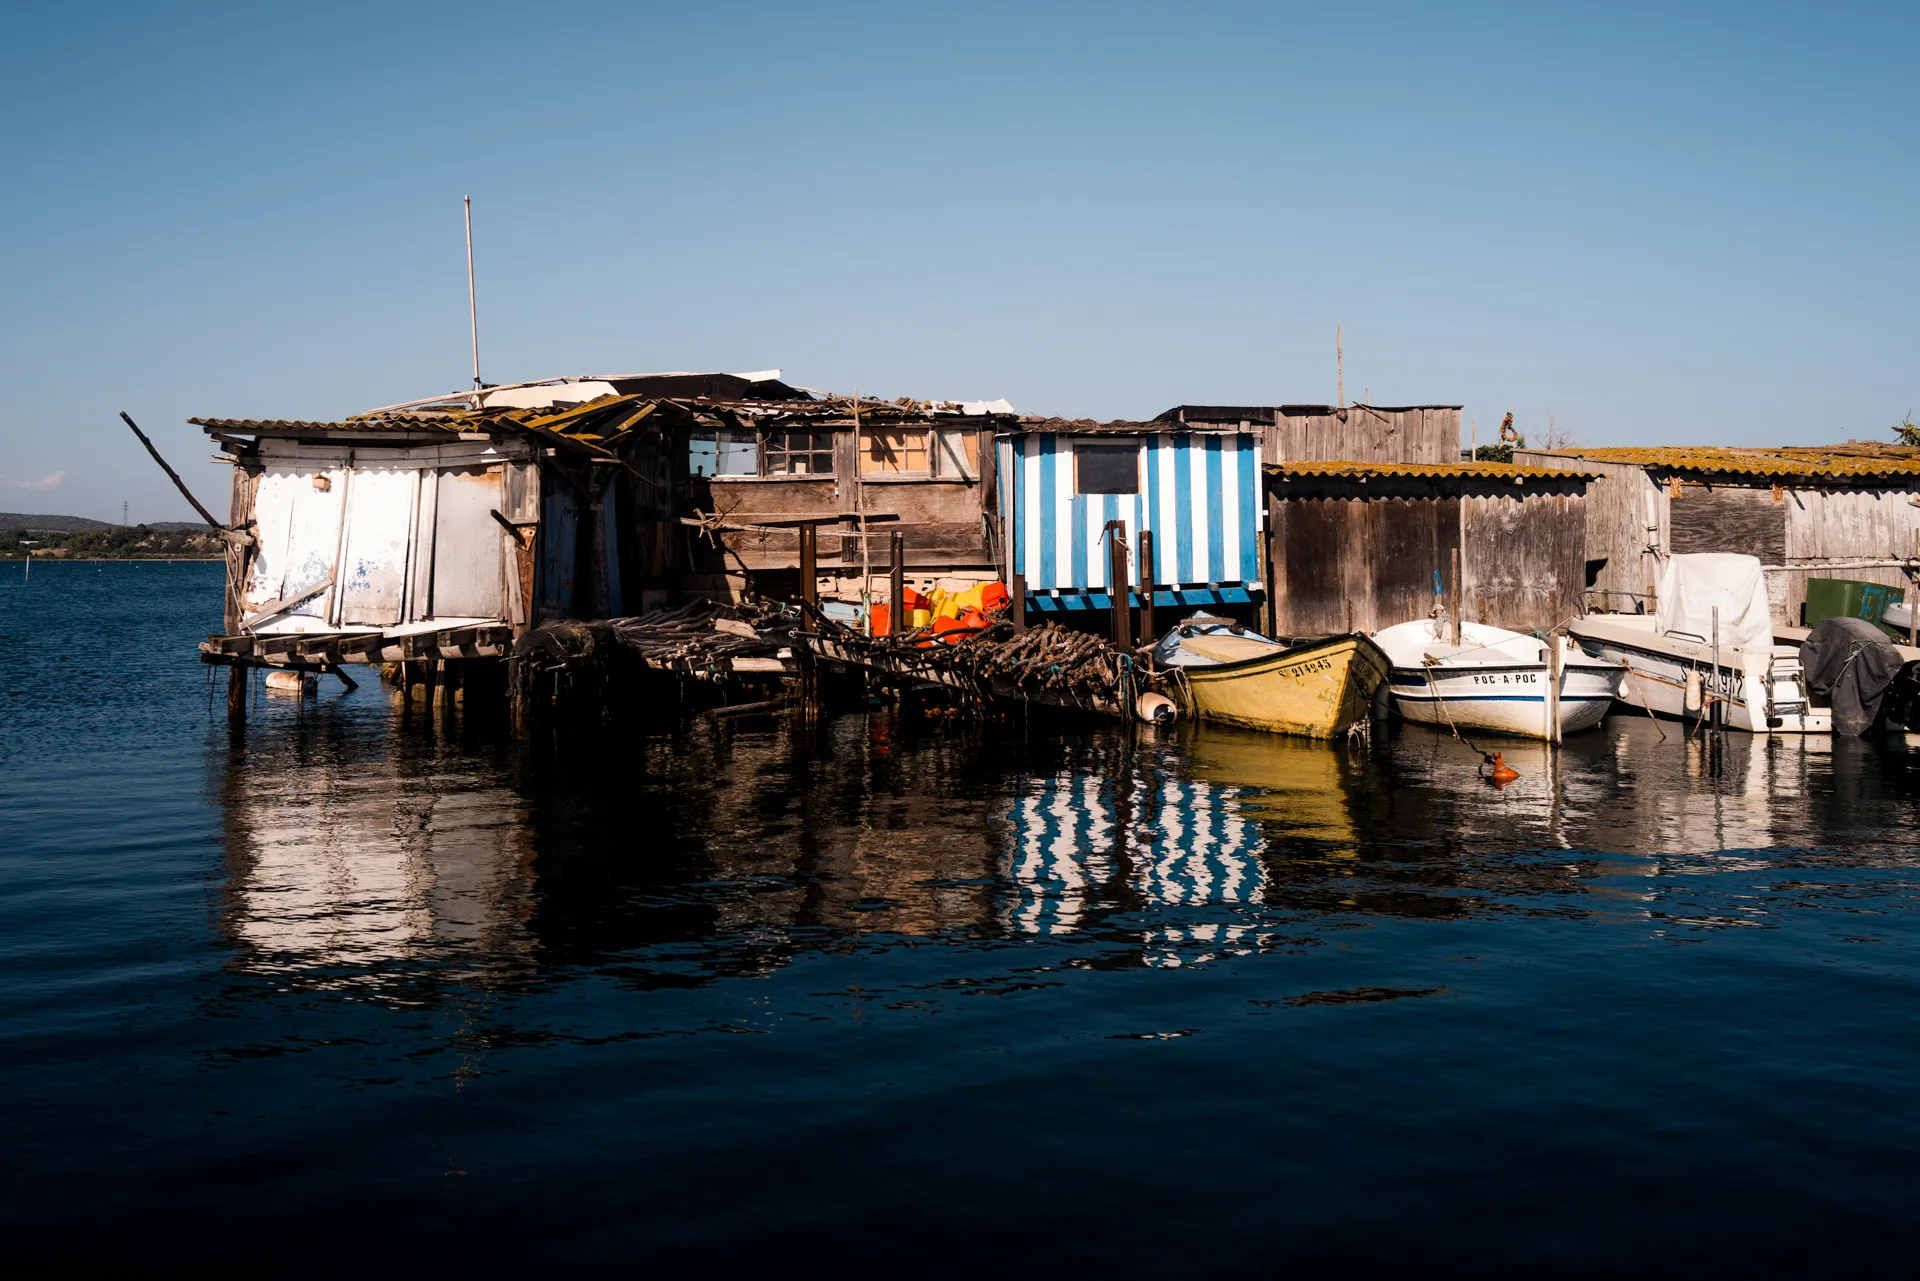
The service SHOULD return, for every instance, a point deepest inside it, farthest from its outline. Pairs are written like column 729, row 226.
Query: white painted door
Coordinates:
column 297, row 515
column 380, row 508
column 467, row 544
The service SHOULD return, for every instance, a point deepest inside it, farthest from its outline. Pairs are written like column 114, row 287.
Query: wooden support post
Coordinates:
column 237, row 695
column 1454, row 596
column 1273, row 592
column 1555, row 658
column 430, row 680
column 809, row 576
column 449, row 682
column 1913, row 605
column 1019, row 602
column 1117, row 588
column 1147, row 630
column 897, row 587
column 519, row 696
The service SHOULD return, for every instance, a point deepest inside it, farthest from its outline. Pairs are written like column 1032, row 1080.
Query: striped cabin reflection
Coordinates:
column 1082, row 845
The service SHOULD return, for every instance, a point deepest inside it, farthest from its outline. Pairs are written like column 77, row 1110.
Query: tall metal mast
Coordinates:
column 473, row 307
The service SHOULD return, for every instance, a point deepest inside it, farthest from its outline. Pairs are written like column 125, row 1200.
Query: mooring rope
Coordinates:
column 1485, row 756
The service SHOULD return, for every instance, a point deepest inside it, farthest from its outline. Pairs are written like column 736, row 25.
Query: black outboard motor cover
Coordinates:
column 1853, row 664
column 1901, row 706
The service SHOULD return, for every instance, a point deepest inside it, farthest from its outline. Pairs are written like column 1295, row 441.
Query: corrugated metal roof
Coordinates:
column 1465, row 470
column 1264, row 414
column 1852, row 460
column 391, row 423
column 1119, row 427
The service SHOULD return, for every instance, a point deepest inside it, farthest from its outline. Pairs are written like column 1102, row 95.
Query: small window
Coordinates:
column 724, row 451
column 800, row 453
column 895, row 451
column 1106, row 467
column 958, row 453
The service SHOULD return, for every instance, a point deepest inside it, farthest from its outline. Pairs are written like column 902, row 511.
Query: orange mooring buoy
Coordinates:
column 1502, row 773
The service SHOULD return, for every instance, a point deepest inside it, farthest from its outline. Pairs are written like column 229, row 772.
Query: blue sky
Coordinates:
column 1657, row 223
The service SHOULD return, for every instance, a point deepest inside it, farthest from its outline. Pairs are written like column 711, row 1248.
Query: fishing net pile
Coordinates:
column 701, row 638
column 1046, row 662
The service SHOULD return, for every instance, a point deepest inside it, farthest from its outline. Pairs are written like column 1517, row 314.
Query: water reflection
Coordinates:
column 365, row 854
column 348, row 862
column 1083, row 843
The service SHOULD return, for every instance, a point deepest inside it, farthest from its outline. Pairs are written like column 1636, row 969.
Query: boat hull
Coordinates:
column 1317, row 690
column 1754, row 696
column 1504, row 699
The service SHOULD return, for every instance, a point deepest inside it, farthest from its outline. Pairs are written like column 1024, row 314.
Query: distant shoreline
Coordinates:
column 106, row 560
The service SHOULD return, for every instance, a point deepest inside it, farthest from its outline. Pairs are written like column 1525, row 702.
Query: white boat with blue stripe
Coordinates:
column 1494, row 681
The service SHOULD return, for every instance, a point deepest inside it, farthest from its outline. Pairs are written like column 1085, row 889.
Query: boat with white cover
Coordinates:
column 1760, row 685
column 1494, row 681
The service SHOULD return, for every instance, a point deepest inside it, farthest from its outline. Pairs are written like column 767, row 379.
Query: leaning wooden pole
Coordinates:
column 172, row 475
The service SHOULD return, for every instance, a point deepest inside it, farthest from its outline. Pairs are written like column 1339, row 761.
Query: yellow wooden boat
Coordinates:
column 1318, row 689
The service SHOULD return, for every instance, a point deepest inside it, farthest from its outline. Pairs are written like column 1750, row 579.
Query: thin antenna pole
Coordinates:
column 473, row 306
column 1339, row 369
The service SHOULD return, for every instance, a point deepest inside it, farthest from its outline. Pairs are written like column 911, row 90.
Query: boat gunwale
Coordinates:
column 1294, row 651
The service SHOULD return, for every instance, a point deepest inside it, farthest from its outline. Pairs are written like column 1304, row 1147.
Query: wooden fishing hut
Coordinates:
column 1806, row 511
column 806, row 498
column 1359, row 546
column 1191, row 479
column 436, row 532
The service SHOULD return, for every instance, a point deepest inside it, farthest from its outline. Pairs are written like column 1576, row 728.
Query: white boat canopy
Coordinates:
column 1693, row 586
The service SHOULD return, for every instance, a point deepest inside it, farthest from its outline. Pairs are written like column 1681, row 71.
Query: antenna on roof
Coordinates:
column 473, row 307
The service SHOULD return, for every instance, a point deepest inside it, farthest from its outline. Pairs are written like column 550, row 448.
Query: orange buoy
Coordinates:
column 1502, row 773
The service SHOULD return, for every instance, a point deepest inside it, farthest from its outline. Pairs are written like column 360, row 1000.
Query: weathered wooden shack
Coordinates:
column 1806, row 511
column 437, row 532
column 1362, row 546
column 1195, row 489
column 1328, row 433
column 783, row 491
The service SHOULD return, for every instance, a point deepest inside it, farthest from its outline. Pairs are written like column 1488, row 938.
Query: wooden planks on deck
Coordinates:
column 322, row 651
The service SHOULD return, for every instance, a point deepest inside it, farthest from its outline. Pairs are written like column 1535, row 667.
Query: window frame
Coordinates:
column 764, row 452
column 939, row 442
column 1112, row 448
column 814, row 452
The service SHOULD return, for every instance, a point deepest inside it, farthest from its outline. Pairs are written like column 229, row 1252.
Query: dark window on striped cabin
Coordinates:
column 1106, row 466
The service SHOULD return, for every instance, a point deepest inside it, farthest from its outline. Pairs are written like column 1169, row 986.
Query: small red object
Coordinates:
column 1502, row 773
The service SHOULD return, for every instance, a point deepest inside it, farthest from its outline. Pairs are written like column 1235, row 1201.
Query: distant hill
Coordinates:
column 79, row 524
column 50, row 524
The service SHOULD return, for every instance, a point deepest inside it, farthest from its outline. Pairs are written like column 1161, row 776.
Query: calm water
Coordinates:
column 923, row 995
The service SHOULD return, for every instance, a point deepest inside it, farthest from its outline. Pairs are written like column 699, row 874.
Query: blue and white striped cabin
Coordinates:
column 1198, row 492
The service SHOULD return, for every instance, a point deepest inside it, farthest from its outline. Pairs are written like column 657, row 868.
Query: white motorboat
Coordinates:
column 1494, row 681
column 1676, row 668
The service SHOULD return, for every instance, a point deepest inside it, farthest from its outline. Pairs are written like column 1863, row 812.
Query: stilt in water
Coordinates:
column 237, row 695
column 449, row 682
